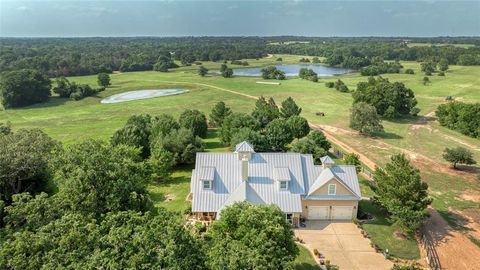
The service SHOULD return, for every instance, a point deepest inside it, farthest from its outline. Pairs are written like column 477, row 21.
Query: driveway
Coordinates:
column 343, row 245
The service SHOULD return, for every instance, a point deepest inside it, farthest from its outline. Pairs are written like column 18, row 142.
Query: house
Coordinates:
column 289, row 180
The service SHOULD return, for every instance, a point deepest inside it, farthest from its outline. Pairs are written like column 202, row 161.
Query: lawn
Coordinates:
column 381, row 232
column 72, row 121
column 305, row 261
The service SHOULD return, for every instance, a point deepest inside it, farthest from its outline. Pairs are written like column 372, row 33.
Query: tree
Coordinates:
column 227, row 73
column 194, row 120
column 24, row 87
column 103, row 79
column 428, row 67
column 235, row 121
column 443, row 65
column 463, row 117
column 164, row 63
column 162, row 125
column 315, row 60
column 458, row 155
column 63, row 87
column 298, row 126
column 265, row 111
column 278, row 134
column 255, row 138
column 364, row 118
column 181, row 143
column 382, row 94
column 353, row 159
column 307, row 145
column 308, row 74
column 251, row 237
column 135, row 133
column 95, row 178
column 202, row 71
column 289, row 108
column 426, row 80
column 399, row 189
column 219, row 112
column 341, row 86
column 5, row 128
column 319, row 139
column 272, row 72
column 24, row 160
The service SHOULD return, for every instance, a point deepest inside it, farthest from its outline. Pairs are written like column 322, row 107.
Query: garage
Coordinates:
column 342, row 212
column 318, row 212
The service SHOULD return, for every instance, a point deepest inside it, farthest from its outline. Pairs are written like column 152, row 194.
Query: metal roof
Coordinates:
column 281, row 174
column 261, row 187
column 327, row 160
column 206, row 173
column 244, row 147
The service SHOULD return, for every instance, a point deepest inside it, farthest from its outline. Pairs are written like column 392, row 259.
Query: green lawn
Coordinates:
column 305, row 260
column 381, row 232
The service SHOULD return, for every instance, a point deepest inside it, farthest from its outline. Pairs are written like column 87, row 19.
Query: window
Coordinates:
column 332, row 189
column 207, row 184
column 283, row 185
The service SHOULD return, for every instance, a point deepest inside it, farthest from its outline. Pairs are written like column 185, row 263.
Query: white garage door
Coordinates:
column 318, row 212
column 342, row 212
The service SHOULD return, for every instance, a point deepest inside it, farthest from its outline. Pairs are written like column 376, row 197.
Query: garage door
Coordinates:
column 342, row 212
column 318, row 212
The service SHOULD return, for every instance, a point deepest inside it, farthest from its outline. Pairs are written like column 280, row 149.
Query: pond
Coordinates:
column 292, row 70
column 142, row 94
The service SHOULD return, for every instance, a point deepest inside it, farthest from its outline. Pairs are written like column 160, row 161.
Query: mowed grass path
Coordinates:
column 72, row 121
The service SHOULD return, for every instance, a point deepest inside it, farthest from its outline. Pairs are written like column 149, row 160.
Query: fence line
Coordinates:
column 432, row 256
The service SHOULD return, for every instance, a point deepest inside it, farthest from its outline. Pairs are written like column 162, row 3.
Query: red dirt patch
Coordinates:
column 399, row 235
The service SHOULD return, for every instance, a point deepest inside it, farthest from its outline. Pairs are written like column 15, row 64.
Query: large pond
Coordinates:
column 141, row 94
column 292, row 70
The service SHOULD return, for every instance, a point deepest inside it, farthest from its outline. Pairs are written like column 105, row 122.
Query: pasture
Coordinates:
column 420, row 138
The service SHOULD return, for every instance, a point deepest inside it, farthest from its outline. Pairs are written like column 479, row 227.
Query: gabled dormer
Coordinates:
column 327, row 162
column 282, row 177
column 206, row 175
column 244, row 151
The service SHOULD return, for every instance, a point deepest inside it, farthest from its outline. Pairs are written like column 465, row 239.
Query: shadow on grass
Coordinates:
column 51, row 102
column 455, row 221
column 388, row 135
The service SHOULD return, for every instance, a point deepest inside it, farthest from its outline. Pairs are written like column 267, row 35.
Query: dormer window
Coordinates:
column 207, row 184
column 206, row 175
column 283, row 185
column 282, row 176
column 332, row 189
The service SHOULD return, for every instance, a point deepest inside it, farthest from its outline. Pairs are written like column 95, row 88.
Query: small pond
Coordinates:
column 141, row 94
column 292, row 70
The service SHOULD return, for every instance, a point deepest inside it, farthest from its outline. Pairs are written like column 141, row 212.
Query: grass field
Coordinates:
column 305, row 260
column 420, row 138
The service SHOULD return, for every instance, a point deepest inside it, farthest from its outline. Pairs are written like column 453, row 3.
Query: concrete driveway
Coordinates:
column 343, row 245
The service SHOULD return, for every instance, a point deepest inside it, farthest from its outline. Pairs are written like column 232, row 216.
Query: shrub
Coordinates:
column 409, row 71
column 329, row 84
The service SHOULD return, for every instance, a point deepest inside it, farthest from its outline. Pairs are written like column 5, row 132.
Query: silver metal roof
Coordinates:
column 281, row 174
column 327, row 160
column 261, row 187
column 244, row 147
column 346, row 175
column 206, row 173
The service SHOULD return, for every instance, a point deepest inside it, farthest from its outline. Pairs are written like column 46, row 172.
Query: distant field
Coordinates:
column 422, row 139
column 414, row 44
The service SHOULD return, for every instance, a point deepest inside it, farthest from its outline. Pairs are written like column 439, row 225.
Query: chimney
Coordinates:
column 244, row 162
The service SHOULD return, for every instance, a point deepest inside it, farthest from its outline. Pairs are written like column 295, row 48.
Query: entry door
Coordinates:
column 342, row 212
column 318, row 212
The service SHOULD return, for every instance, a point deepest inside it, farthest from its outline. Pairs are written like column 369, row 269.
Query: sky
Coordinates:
column 70, row 18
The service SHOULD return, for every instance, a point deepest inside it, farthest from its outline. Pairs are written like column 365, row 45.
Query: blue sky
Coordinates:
column 248, row 18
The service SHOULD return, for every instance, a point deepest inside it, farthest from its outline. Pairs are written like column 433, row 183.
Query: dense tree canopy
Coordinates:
column 219, row 112
column 135, row 133
column 364, row 119
column 391, row 100
column 103, row 79
column 234, row 122
column 463, row 117
column 398, row 188
column 195, row 121
column 314, row 143
column 265, row 111
column 298, row 126
column 251, row 237
column 279, row 134
column 24, row 87
column 273, row 73
column 289, row 108
column 24, row 159
column 96, row 178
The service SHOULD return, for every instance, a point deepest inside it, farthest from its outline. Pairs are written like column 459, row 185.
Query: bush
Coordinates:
column 441, row 73
column 330, row 84
column 409, row 71
column 364, row 118
column 195, row 121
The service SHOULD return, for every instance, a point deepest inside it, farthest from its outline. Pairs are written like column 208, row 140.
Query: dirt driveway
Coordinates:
column 343, row 245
